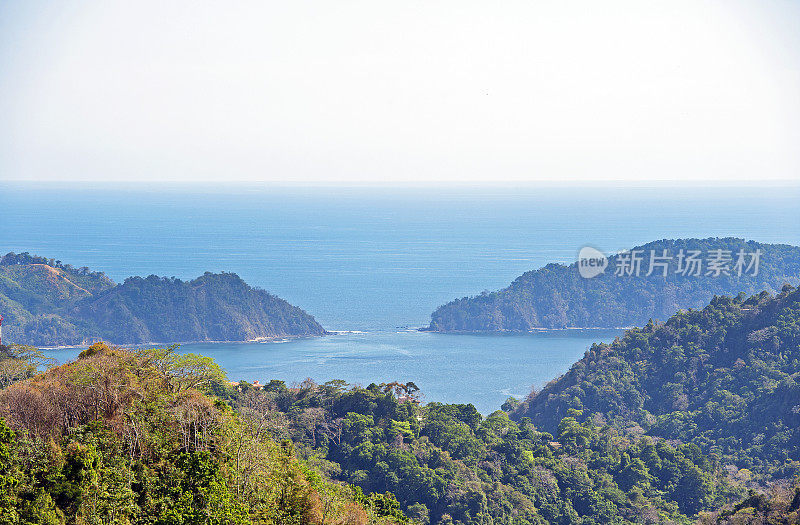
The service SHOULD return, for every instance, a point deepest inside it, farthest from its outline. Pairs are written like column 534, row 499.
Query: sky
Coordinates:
column 374, row 92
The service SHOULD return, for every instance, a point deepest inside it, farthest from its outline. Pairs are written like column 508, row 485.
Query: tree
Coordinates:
column 9, row 475
column 694, row 491
column 185, row 370
column 19, row 362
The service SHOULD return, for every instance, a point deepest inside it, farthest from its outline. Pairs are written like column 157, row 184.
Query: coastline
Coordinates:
column 160, row 344
column 286, row 338
column 531, row 331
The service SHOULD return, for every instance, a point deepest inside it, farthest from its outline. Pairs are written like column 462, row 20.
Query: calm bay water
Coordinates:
column 480, row 369
column 379, row 261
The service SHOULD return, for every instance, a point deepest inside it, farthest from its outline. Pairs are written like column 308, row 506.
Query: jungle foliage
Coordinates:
column 122, row 437
column 725, row 378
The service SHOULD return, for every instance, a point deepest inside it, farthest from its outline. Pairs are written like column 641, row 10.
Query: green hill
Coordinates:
column 448, row 465
column 726, row 378
column 137, row 437
column 47, row 303
column 556, row 296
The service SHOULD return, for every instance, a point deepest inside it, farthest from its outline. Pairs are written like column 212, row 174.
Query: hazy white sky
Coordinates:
column 372, row 91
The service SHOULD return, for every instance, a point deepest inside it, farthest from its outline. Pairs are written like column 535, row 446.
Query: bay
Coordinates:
column 482, row 369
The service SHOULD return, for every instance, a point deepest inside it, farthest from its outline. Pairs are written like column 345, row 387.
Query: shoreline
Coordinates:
column 531, row 331
column 287, row 338
column 158, row 344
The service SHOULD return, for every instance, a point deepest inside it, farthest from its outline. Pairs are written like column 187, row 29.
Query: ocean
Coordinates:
column 378, row 261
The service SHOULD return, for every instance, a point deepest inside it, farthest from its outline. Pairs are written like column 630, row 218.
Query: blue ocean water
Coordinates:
column 380, row 261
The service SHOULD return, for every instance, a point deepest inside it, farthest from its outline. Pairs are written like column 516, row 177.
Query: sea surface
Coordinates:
column 378, row 261
column 480, row 369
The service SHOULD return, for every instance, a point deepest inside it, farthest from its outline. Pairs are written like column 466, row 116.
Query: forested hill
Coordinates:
column 556, row 296
column 156, row 437
column 726, row 378
column 47, row 303
column 137, row 437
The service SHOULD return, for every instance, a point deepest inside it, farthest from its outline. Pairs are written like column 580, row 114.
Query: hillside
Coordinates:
column 46, row 303
column 152, row 436
column 135, row 437
column 726, row 378
column 446, row 464
column 556, row 296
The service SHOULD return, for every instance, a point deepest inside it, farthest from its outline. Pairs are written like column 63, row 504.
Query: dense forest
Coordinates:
column 447, row 464
column 154, row 436
column 48, row 303
column 725, row 378
column 123, row 436
column 686, row 273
